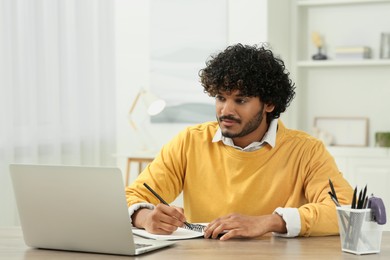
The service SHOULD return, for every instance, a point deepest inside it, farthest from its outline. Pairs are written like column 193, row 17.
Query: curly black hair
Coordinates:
column 254, row 71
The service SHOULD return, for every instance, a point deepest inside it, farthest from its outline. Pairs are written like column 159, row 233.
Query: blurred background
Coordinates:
column 71, row 70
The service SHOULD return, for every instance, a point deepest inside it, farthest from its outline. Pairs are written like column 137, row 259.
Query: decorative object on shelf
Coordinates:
column 352, row 52
column 316, row 38
column 345, row 131
column 382, row 139
column 385, row 46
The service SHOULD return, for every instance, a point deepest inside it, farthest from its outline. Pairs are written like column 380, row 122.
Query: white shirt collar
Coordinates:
column 269, row 137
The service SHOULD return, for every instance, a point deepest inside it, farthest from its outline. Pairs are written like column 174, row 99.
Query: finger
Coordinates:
column 208, row 231
column 172, row 211
column 162, row 224
column 168, row 215
column 168, row 220
column 167, row 228
column 218, row 230
column 181, row 210
column 213, row 231
column 228, row 235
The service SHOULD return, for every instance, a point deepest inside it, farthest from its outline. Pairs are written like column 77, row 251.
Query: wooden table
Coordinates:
column 12, row 247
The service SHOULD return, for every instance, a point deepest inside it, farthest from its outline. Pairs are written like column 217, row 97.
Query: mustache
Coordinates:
column 221, row 118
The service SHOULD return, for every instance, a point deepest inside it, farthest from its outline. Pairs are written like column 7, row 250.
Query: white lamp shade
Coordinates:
column 156, row 107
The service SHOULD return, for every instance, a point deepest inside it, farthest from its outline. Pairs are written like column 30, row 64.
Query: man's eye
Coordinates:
column 220, row 98
column 241, row 101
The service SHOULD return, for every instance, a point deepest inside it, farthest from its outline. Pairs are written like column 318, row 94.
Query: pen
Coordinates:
column 163, row 201
column 364, row 197
column 334, row 199
column 333, row 191
column 365, row 202
column 338, row 205
column 353, row 205
column 359, row 203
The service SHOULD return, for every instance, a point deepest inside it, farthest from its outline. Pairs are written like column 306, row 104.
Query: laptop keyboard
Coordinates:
column 139, row 245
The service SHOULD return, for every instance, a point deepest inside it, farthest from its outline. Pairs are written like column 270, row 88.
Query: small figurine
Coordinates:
column 316, row 38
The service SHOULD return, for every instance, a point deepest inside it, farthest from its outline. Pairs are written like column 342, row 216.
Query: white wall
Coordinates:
column 132, row 55
column 132, row 41
column 247, row 23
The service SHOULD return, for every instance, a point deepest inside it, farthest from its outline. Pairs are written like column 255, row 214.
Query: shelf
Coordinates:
column 338, row 2
column 324, row 85
column 366, row 152
column 343, row 63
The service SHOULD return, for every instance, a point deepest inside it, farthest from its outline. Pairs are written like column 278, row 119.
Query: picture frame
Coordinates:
column 179, row 51
column 342, row 131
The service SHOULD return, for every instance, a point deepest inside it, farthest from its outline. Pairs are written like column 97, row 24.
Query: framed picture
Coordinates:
column 342, row 131
column 183, row 36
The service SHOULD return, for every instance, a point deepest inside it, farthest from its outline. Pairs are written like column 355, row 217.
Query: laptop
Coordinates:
column 76, row 208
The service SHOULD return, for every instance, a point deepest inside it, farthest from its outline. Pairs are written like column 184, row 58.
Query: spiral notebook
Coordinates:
column 179, row 234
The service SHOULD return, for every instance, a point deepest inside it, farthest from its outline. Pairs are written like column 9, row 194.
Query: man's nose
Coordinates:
column 228, row 108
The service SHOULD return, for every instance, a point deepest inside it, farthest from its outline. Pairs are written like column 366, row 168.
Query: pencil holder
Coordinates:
column 359, row 233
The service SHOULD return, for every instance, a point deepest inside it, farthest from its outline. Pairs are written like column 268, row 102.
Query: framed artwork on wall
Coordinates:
column 342, row 131
column 183, row 36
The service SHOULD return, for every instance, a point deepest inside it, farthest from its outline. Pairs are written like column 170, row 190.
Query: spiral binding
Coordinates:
column 195, row 227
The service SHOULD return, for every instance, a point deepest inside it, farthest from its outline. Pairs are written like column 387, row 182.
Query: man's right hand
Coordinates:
column 162, row 220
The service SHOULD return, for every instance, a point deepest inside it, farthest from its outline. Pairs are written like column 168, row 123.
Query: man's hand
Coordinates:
column 162, row 220
column 240, row 226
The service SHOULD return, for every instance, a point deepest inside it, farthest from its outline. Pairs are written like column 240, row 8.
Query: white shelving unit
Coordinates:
column 345, row 88
column 343, row 63
column 336, row 2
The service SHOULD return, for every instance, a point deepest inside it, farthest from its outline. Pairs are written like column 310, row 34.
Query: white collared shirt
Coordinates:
column 269, row 137
column 289, row 215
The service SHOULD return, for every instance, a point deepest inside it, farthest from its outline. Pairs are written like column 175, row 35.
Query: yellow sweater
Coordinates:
column 217, row 179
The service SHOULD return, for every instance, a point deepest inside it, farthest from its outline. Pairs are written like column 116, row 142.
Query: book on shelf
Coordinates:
column 352, row 52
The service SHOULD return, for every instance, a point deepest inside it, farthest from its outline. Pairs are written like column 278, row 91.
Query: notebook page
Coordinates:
column 179, row 234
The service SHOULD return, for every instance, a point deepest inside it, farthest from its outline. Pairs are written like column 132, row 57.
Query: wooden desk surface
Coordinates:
column 12, row 247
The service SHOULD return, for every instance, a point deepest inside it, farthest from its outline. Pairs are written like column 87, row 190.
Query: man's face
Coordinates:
column 240, row 117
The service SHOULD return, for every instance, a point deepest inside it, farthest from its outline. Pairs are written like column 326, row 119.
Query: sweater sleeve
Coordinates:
column 318, row 216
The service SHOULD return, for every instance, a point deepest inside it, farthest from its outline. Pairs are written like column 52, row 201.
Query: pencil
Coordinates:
column 163, row 201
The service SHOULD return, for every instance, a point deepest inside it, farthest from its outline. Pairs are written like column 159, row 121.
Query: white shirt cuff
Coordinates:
column 293, row 221
column 133, row 208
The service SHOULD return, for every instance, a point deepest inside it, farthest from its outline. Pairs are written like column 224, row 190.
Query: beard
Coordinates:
column 249, row 127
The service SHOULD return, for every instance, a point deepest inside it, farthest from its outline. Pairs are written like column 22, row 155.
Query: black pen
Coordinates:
column 334, row 199
column 163, row 201
column 359, row 202
column 333, row 190
column 364, row 197
column 338, row 205
column 353, row 206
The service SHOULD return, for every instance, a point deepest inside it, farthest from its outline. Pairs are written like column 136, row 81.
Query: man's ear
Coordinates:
column 269, row 108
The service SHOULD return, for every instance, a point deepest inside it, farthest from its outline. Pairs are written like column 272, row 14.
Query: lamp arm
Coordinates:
column 132, row 123
column 135, row 102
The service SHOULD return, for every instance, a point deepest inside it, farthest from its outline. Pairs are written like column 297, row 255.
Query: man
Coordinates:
column 246, row 174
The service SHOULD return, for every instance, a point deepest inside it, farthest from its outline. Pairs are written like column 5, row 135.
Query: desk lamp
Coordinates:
column 153, row 105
